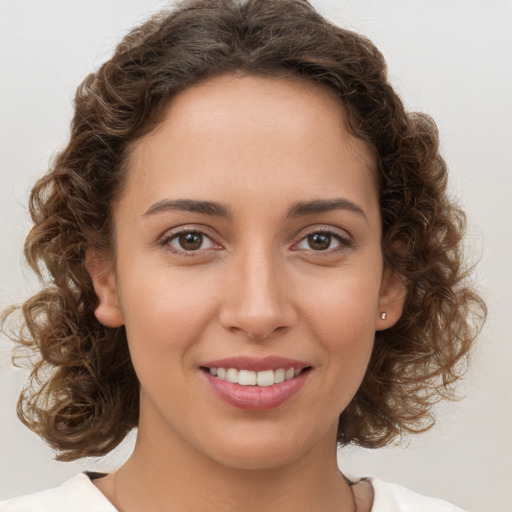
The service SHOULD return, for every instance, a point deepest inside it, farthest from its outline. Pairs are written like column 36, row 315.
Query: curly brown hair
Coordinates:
column 83, row 395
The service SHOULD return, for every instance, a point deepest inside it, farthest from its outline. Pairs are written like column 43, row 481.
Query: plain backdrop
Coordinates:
column 450, row 58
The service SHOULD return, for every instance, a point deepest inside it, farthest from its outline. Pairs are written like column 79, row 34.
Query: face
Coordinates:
column 248, row 246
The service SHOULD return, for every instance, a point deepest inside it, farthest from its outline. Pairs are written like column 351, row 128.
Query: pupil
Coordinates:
column 191, row 241
column 319, row 241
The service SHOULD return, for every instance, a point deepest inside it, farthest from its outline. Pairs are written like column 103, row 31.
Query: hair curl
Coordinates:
column 83, row 395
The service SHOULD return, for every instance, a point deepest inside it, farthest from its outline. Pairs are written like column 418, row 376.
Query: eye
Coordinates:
column 189, row 241
column 323, row 241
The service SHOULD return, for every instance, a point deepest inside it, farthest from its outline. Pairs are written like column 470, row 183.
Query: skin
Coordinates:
column 256, row 286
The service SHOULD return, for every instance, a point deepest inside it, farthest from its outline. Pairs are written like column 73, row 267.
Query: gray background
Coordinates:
column 452, row 59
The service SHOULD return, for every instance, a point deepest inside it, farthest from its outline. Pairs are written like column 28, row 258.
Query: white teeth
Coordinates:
column 265, row 378
column 247, row 378
column 232, row 375
column 250, row 378
column 279, row 376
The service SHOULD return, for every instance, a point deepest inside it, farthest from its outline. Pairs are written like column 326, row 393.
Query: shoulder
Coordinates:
column 388, row 496
column 76, row 495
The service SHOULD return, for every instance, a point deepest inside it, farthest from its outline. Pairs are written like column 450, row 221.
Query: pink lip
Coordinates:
column 255, row 398
column 256, row 364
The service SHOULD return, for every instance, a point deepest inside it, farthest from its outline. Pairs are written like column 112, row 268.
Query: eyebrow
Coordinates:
column 190, row 205
column 215, row 209
column 324, row 205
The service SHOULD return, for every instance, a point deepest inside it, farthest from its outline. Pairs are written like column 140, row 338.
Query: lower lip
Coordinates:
column 256, row 398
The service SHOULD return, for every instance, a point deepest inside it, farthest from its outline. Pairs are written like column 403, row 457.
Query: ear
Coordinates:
column 99, row 267
column 391, row 300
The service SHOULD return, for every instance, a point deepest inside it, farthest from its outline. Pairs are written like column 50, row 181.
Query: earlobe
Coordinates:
column 108, row 311
column 391, row 301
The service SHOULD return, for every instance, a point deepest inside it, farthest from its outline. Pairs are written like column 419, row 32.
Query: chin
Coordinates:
column 263, row 450
column 254, row 459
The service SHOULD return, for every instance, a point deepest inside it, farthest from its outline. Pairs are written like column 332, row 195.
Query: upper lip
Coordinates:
column 256, row 364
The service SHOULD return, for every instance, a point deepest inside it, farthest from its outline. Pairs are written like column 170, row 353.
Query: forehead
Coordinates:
column 254, row 131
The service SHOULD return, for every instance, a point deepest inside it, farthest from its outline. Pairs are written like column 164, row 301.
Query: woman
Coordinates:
column 252, row 258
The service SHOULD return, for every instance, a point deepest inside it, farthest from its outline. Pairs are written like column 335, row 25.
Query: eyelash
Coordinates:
column 166, row 241
column 345, row 242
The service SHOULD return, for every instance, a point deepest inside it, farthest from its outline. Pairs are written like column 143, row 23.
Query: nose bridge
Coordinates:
column 257, row 302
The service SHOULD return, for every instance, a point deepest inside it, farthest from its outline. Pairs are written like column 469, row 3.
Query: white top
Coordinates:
column 80, row 495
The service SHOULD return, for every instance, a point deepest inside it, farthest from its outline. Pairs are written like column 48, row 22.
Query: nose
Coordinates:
column 257, row 300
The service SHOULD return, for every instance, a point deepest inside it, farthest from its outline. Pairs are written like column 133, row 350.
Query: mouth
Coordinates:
column 245, row 377
column 256, row 385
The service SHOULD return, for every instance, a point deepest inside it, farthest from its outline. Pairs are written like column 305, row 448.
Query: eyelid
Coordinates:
column 339, row 234
column 170, row 234
column 342, row 235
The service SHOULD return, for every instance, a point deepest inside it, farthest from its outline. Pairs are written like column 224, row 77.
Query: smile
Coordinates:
column 252, row 378
column 256, row 385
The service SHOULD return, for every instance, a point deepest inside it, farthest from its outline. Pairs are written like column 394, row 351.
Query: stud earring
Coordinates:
column 383, row 315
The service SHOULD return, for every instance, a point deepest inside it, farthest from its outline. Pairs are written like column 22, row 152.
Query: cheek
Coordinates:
column 342, row 317
column 344, row 308
column 164, row 318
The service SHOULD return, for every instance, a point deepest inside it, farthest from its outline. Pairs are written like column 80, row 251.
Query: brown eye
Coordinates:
column 319, row 241
column 189, row 241
column 324, row 241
